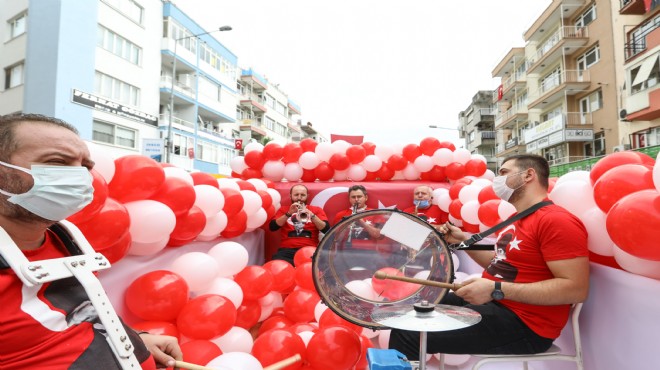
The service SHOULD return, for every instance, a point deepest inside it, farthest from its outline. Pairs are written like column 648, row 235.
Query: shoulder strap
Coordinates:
column 477, row 237
column 64, row 237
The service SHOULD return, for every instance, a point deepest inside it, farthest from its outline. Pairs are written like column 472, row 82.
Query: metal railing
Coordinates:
column 560, row 79
column 586, row 164
column 578, row 118
column 164, row 118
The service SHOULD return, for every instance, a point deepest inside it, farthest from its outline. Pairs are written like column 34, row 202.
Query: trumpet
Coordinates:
column 355, row 208
column 303, row 215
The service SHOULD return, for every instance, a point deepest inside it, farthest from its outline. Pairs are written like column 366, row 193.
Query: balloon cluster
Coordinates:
column 141, row 206
column 619, row 203
column 308, row 161
column 229, row 315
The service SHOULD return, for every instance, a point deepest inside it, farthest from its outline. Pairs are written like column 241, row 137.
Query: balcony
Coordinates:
column 579, row 120
column 565, row 40
column 254, row 105
column 557, row 86
column 515, row 113
column 179, row 87
column 178, row 123
column 647, row 41
column 255, row 127
column 513, row 145
column 632, row 7
column 255, row 80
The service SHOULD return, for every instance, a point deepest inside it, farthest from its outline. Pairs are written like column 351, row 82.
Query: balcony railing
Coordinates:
column 165, row 118
column 487, row 135
column 505, row 116
column 166, row 82
column 570, row 76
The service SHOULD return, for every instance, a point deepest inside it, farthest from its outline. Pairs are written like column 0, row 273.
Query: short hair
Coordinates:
column 357, row 187
column 291, row 190
column 429, row 187
column 9, row 122
column 537, row 162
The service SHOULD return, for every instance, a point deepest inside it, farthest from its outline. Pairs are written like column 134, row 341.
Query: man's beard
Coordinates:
column 16, row 185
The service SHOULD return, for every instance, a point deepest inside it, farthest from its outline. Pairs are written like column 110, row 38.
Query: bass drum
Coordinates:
column 385, row 240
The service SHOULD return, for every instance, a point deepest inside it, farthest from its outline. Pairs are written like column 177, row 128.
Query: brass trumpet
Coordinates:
column 303, row 215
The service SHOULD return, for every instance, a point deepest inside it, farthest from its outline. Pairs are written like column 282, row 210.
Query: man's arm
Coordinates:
column 455, row 235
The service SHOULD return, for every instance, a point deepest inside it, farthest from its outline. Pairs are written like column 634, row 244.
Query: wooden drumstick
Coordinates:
column 188, row 365
column 382, row 275
column 284, row 363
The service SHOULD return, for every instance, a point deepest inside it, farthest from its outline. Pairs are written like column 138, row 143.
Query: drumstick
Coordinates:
column 284, row 363
column 188, row 365
column 382, row 275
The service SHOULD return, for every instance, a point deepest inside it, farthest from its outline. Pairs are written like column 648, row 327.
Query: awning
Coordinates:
column 645, row 70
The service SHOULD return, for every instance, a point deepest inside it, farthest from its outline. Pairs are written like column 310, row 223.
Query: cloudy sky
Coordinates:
column 384, row 69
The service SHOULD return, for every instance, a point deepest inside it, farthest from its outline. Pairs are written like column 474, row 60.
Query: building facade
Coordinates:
column 477, row 127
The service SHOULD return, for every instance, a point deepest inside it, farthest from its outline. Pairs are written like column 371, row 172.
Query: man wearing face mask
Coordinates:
column 424, row 209
column 44, row 178
column 539, row 268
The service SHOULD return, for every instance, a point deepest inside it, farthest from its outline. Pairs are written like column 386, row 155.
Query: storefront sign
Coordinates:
column 111, row 107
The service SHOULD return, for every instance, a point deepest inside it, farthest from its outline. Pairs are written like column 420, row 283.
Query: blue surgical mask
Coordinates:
column 58, row 191
column 421, row 203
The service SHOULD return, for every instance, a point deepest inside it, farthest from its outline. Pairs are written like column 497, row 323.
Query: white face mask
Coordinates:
column 58, row 191
column 501, row 189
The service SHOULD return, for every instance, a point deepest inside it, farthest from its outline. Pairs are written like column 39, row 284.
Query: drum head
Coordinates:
column 380, row 240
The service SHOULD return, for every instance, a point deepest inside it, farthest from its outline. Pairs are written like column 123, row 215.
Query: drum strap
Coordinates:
column 468, row 244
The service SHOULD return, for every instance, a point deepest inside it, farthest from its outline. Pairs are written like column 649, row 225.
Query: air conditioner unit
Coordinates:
column 620, row 148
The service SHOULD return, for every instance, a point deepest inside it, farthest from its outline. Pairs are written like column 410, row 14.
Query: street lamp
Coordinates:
column 169, row 145
column 444, row 128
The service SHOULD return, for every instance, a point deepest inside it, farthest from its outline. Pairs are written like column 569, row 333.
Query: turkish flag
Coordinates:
column 500, row 92
column 351, row 139
column 238, row 144
column 647, row 4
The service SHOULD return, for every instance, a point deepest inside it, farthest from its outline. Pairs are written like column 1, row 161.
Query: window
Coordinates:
column 587, row 17
column 646, row 75
column 599, row 144
column 17, row 26
column 280, row 129
column 181, row 144
column 209, row 89
column 270, row 124
column 551, row 80
column 116, row 90
column 591, row 57
column 280, row 108
column 118, row 45
column 130, row 8
column 270, row 101
column 186, row 39
column 114, row 134
column 14, row 76
column 591, row 103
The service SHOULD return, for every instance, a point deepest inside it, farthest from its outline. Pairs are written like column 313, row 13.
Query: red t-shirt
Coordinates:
column 295, row 234
column 433, row 215
column 53, row 326
column 522, row 252
column 345, row 213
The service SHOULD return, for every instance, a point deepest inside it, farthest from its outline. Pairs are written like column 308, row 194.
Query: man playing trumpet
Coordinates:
column 299, row 224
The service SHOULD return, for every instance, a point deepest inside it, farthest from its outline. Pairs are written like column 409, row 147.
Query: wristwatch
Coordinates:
column 497, row 293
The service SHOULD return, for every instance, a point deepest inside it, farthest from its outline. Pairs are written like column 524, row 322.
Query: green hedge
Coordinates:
column 586, row 164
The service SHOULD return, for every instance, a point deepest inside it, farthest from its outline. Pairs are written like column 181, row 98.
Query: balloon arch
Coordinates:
column 217, row 303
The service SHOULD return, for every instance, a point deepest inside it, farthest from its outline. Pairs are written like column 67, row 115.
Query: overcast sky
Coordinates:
column 385, row 69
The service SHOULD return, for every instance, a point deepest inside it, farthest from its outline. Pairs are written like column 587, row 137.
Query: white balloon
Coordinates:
column 423, row 163
column 456, row 261
column 468, row 193
column 324, row 151
column 231, row 258
column 251, row 202
column 318, row 310
column 469, row 212
column 143, row 213
column 410, row 173
column 104, row 162
column 656, row 173
column 598, row 239
column 148, row 248
column 443, row 157
column 462, row 155
column 306, row 336
column 259, row 184
column 253, row 146
column 309, row 160
column 455, row 221
column 340, row 175
column 505, row 210
column 236, row 339
column 372, row 163
column 369, row 333
column 237, row 164
column 479, row 157
column 257, row 219
column 227, row 288
column 340, row 146
column 398, row 175
column 575, row 175
column 384, row 339
column 273, row 170
column 460, row 277
column 209, row 199
column 214, row 226
column 576, row 196
column 236, row 361
column 293, row 172
column 179, row 173
column 227, row 183
column 356, row 172
column 275, row 195
column 196, row 268
column 443, row 201
column 636, row 265
column 488, row 175
column 481, row 183
column 361, row 289
column 383, row 152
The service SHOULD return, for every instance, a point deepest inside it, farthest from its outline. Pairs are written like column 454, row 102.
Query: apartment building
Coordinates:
column 477, row 127
column 559, row 93
column 640, row 109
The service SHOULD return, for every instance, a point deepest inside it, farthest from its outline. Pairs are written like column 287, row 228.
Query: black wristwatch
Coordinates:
column 497, row 293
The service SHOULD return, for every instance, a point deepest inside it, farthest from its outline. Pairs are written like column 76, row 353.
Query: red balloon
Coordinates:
column 304, row 276
column 646, row 159
column 157, row 296
column 251, row 173
column 339, row 162
column 266, row 199
column 448, row 145
column 299, row 305
column 272, row 152
column 455, row 171
column 246, row 185
column 303, row 255
column 397, row 162
column 411, row 152
column 371, row 176
column 385, row 173
column 365, row 344
column 334, row 347
column 429, row 145
column 291, row 153
column 233, row 202
column 157, row 328
column 136, row 177
column 187, row 227
column 117, row 250
column 100, row 195
column 254, row 159
column 633, row 223
column 206, row 317
column 201, row 178
column 255, row 281
column 475, row 167
column 324, row 172
column 369, row 147
column 356, row 154
column 392, row 289
column 270, row 212
column 486, row 194
column 613, row 160
column 235, row 175
column 308, row 176
column 274, row 322
column 308, row 145
column 488, row 212
column 301, row 327
column 277, row 345
column 284, row 275
column 619, row 182
column 437, row 174
column 470, row 228
column 109, row 224
column 236, row 225
column 248, row 314
column 455, row 189
column 330, row 318
column 200, row 351
column 177, row 194
column 455, row 208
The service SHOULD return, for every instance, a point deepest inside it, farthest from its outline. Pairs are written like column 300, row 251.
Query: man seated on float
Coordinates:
column 425, row 209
